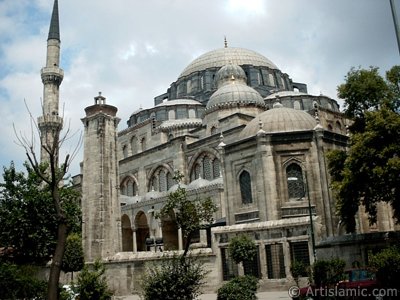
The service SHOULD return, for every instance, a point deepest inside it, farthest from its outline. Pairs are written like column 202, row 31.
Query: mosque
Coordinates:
column 242, row 132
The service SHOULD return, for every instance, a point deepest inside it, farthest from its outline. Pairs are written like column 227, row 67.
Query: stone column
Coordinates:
column 180, row 239
column 134, row 240
column 286, row 257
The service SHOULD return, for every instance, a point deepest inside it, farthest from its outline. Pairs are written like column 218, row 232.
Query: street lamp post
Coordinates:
column 306, row 191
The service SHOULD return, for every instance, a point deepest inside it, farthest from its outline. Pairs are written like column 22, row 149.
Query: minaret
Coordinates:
column 101, row 213
column 50, row 123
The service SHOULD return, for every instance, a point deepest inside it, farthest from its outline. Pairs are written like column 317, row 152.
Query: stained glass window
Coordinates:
column 216, row 169
column 163, row 181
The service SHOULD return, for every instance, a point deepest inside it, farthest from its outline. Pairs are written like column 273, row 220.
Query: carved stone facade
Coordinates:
column 241, row 132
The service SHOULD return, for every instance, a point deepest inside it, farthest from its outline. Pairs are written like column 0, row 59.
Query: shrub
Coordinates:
column 298, row 269
column 91, row 284
column 239, row 288
column 386, row 264
column 242, row 248
column 18, row 282
column 328, row 272
column 174, row 278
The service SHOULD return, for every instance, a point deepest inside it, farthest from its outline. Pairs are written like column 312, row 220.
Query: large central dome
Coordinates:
column 221, row 57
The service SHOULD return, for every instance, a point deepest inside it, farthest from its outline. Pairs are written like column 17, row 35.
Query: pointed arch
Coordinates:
column 161, row 178
column 142, row 230
column 205, row 164
column 127, row 234
column 129, row 186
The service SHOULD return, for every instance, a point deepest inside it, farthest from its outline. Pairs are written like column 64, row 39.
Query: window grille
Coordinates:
column 299, row 252
column 229, row 267
column 245, row 187
column 170, row 180
column 197, row 171
column 162, row 181
column 130, row 188
column 207, row 168
column 252, row 267
column 295, row 183
column 275, row 261
column 216, row 168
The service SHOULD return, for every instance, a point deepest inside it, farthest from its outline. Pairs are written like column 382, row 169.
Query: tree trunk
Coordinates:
column 187, row 244
column 55, row 269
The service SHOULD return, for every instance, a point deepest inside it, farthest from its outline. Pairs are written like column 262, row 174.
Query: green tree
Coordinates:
column 386, row 264
column 180, row 277
column 242, row 248
column 28, row 221
column 92, row 284
column 190, row 215
column 369, row 172
column 173, row 279
column 362, row 91
column 328, row 272
column 239, row 288
column 73, row 259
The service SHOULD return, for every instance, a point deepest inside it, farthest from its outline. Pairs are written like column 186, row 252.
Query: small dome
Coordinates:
column 152, row 195
column 198, row 183
column 235, row 94
column 174, row 188
column 228, row 73
column 279, row 119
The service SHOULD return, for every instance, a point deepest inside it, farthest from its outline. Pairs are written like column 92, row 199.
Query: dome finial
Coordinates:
column 225, row 42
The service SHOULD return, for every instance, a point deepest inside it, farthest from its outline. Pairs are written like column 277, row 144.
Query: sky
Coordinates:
column 132, row 50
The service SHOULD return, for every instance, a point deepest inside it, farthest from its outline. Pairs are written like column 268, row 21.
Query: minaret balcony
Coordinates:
column 52, row 74
column 50, row 121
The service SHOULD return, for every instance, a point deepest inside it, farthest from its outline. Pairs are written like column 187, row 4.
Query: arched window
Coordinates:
column 330, row 127
column 161, row 181
column 245, row 187
column 207, row 166
column 213, row 130
column 129, row 188
column 295, row 183
column 296, row 105
column 125, row 151
column 134, row 144
column 216, row 168
column 143, row 144
column 338, row 127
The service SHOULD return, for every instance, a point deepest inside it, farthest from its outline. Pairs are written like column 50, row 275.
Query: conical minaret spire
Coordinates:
column 50, row 124
column 54, row 31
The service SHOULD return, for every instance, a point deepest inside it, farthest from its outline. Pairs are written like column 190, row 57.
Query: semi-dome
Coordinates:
column 279, row 119
column 221, row 57
column 232, row 94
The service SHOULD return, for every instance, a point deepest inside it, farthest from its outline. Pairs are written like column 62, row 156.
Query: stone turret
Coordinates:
column 50, row 123
column 100, row 203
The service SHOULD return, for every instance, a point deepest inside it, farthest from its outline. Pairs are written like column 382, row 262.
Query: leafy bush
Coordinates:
column 386, row 264
column 328, row 272
column 73, row 259
column 239, row 288
column 242, row 248
column 174, row 278
column 298, row 269
column 91, row 284
column 18, row 282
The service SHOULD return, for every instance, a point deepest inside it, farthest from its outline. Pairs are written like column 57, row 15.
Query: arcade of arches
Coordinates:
column 140, row 235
